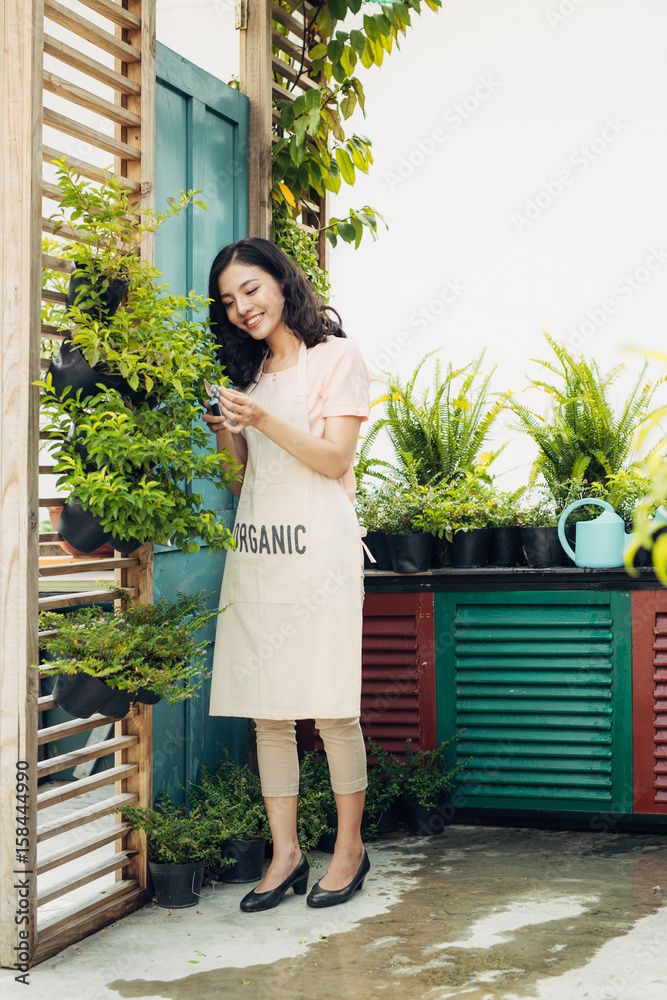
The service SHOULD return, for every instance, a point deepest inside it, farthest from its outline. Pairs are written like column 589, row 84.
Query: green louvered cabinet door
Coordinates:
column 540, row 683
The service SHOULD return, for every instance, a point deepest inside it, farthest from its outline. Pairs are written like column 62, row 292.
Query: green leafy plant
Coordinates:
column 231, row 799
column 461, row 505
column 133, row 464
column 438, row 433
column 384, row 780
column 426, row 773
column 176, row 835
column 150, row 646
column 301, row 247
column 583, row 435
column 316, row 802
column 538, row 509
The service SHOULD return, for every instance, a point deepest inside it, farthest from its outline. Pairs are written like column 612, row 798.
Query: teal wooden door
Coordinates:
column 202, row 144
column 540, row 684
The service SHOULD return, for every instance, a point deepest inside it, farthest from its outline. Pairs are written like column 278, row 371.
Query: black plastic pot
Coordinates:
column 109, row 299
column 387, row 820
column 249, row 856
column 81, row 528
column 376, row 541
column 505, row 548
column 542, row 548
column 471, row 548
column 410, row 553
column 177, row 886
column 146, row 697
column 126, row 546
column 427, row 821
column 70, row 372
column 81, row 696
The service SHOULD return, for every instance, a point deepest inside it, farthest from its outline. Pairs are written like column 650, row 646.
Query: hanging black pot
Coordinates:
column 376, row 541
column 542, row 548
column 81, row 695
column 81, row 528
column 410, row 553
column 249, row 856
column 70, row 372
column 109, row 300
column 471, row 548
column 126, row 546
column 427, row 821
column 505, row 548
column 146, row 697
column 177, row 886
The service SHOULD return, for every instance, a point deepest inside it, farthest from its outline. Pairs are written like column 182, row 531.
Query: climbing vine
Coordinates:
column 313, row 152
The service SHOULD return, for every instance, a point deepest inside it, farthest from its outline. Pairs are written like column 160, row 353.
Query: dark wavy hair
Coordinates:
column 302, row 313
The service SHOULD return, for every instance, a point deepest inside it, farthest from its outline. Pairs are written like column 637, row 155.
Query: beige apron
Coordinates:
column 289, row 647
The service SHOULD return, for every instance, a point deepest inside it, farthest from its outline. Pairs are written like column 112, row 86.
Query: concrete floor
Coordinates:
column 478, row 913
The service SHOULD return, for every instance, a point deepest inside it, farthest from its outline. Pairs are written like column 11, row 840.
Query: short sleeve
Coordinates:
column 346, row 383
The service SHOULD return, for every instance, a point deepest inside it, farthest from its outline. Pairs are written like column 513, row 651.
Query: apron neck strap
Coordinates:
column 301, row 371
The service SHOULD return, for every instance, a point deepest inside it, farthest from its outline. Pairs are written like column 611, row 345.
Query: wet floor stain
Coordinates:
column 486, row 915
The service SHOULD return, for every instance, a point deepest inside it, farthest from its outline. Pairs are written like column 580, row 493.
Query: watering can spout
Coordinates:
column 598, row 543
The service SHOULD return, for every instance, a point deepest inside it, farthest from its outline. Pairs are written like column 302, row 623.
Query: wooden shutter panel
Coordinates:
column 649, row 700
column 540, row 684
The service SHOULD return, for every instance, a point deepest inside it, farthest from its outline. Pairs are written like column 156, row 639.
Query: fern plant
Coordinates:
column 438, row 433
column 584, row 435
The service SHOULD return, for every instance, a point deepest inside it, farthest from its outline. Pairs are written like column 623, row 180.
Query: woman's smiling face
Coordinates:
column 253, row 300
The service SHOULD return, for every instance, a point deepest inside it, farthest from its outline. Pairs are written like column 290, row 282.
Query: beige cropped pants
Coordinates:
column 279, row 763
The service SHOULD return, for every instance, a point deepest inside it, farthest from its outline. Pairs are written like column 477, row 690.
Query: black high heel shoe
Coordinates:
column 331, row 897
column 298, row 880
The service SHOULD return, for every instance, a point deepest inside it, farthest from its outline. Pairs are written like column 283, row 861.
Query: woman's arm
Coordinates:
column 330, row 455
column 235, row 444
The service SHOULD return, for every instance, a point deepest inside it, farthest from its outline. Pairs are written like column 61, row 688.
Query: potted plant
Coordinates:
column 129, row 452
column 538, row 518
column 315, row 789
column 458, row 514
column 232, row 799
column 383, row 793
column 426, row 780
column 181, row 842
column 503, row 516
column 107, row 659
column 370, row 505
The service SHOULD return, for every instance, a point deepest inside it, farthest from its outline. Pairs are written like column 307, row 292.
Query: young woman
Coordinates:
column 289, row 647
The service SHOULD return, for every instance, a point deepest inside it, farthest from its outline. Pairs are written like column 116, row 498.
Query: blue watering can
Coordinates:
column 600, row 543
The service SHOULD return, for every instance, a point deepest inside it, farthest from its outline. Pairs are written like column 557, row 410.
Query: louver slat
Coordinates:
column 649, row 694
column 535, row 678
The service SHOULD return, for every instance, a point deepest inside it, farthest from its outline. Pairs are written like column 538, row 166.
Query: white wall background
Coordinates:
column 519, row 159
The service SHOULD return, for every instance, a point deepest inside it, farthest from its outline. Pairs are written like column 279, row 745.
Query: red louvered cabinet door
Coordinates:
column 649, row 700
column 398, row 671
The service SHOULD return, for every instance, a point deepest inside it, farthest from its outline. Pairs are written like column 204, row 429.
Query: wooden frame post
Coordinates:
column 20, row 286
column 256, row 84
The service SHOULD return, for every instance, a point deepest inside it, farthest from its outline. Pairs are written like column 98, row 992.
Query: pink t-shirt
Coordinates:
column 337, row 385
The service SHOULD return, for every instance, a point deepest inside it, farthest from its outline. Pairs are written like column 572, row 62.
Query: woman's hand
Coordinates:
column 238, row 411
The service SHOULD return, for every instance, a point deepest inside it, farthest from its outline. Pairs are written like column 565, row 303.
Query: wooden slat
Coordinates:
column 84, row 99
column 58, row 930
column 51, row 191
column 290, row 49
column 71, row 728
column 49, row 536
column 255, row 76
column 99, row 139
column 52, row 501
column 52, row 331
column 89, row 170
column 84, row 597
column 84, row 28
column 86, row 566
column 280, row 15
column 68, row 884
column 64, row 856
column 49, row 226
column 282, row 68
column 73, row 789
column 52, row 263
column 280, row 91
column 49, row 295
column 114, row 12
column 65, row 760
column 45, row 470
column 91, row 67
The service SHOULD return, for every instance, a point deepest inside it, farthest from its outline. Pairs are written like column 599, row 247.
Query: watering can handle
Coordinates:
column 566, row 513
